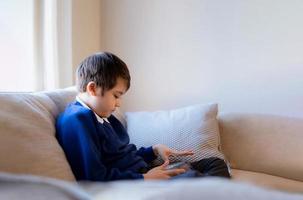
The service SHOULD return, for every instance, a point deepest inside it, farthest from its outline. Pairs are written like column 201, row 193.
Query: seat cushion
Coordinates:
column 266, row 180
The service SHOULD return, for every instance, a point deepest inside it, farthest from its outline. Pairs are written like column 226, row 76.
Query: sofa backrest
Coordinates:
column 263, row 143
column 260, row 143
column 27, row 133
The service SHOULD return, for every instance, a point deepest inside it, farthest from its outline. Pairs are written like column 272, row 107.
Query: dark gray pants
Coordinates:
column 206, row 167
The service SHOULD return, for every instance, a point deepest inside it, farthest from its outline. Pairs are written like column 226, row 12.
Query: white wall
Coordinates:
column 86, row 29
column 245, row 55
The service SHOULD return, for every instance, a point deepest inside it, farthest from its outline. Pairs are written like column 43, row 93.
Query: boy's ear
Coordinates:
column 91, row 88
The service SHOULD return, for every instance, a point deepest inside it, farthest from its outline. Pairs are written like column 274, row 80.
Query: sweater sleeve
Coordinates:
column 147, row 154
column 79, row 139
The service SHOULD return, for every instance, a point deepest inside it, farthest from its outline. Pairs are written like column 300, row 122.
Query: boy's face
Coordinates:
column 111, row 99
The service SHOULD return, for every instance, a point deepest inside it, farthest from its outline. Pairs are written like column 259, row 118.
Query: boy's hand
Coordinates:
column 164, row 152
column 161, row 172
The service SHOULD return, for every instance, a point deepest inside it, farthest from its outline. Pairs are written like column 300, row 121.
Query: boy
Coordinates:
column 94, row 141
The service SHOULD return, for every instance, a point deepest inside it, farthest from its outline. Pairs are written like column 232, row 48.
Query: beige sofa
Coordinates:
column 262, row 149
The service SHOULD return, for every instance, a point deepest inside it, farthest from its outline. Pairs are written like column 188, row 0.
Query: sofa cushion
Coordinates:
column 30, row 187
column 61, row 97
column 212, row 188
column 27, row 136
column 268, row 181
column 263, row 143
column 189, row 128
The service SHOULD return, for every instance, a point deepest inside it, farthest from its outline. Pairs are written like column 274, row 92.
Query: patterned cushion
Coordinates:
column 189, row 128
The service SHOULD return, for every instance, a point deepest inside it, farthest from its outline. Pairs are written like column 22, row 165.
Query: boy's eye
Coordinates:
column 116, row 96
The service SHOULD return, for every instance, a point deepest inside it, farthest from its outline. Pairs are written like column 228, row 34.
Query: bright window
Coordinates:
column 16, row 45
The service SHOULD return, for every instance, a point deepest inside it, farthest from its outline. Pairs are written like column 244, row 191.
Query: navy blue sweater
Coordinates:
column 96, row 151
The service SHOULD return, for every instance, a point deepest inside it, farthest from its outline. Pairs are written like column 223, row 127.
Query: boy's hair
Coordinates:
column 104, row 69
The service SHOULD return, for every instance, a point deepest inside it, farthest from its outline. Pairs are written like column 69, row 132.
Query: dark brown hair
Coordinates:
column 104, row 69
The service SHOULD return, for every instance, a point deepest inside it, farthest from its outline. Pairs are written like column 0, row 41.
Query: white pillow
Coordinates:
column 190, row 128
